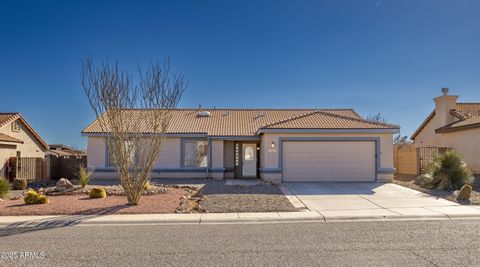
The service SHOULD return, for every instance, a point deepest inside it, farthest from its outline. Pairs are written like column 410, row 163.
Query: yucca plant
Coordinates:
column 83, row 174
column 448, row 171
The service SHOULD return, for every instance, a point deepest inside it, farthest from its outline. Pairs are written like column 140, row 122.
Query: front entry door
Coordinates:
column 249, row 164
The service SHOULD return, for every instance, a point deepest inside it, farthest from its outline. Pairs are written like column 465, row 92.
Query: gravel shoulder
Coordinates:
column 216, row 197
column 414, row 182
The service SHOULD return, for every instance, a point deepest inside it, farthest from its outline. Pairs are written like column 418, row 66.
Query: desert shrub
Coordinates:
column 4, row 187
column 98, row 192
column 146, row 185
column 33, row 197
column 19, row 184
column 464, row 193
column 447, row 171
column 83, row 174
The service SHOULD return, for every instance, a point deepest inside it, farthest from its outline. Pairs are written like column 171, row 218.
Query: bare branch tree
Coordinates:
column 376, row 117
column 135, row 116
column 400, row 140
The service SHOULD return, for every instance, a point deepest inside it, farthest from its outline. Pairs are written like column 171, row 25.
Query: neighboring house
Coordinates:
column 62, row 161
column 272, row 144
column 18, row 140
column 63, row 151
column 452, row 125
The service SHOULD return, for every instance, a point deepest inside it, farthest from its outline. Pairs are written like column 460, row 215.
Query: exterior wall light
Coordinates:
column 273, row 144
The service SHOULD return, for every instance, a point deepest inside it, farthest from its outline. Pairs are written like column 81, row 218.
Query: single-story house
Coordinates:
column 64, row 151
column 271, row 144
column 18, row 140
column 452, row 125
column 62, row 161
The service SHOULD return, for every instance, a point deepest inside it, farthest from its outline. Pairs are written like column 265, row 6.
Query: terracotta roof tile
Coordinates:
column 6, row 117
column 325, row 120
column 466, row 110
column 244, row 122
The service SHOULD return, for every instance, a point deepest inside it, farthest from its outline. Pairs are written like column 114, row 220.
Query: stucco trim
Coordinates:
column 164, row 170
column 376, row 140
column 270, row 170
column 217, row 170
column 386, row 171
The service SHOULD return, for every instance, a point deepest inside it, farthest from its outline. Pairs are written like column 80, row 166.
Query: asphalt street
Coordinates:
column 377, row 243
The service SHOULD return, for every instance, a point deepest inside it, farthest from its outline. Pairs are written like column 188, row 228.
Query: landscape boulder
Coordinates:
column 64, row 185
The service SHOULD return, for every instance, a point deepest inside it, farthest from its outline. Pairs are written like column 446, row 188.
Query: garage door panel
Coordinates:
column 329, row 161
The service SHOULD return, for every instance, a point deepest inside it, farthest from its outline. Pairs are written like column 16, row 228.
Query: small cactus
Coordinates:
column 33, row 197
column 464, row 192
column 19, row 184
column 98, row 192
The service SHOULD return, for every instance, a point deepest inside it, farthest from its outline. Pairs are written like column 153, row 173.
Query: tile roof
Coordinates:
column 463, row 111
column 7, row 117
column 325, row 120
column 470, row 123
column 8, row 138
column 466, row 110
column 247, row 122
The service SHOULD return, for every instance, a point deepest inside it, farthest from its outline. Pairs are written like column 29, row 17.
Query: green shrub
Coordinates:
column 83, row 174
column 33, row 197
column 19, row 184
column 447, row 171
column 98, row 192
column 4, row 187
column 464, row 193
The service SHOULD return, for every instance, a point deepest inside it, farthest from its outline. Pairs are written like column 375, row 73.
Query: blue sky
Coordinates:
column 372, row 55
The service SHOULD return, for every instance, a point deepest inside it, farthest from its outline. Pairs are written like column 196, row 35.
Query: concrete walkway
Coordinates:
column 372, row 200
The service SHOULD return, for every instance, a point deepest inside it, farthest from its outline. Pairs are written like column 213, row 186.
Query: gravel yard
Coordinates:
column 215, row 196
column 413, row 182
column 81, row 204
column 163, row 196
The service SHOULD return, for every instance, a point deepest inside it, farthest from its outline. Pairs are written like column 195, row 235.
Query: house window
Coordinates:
column 195, row 153
column 15, row 126
column 128, row 149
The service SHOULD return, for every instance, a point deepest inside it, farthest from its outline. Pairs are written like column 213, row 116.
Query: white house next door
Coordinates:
column 249, row 160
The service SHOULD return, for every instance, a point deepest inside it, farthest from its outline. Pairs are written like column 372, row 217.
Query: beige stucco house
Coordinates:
column 452, row 125
column 17, row 140
column 271, row 144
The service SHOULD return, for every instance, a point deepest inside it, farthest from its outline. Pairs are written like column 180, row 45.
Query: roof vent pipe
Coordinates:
column 445, row 91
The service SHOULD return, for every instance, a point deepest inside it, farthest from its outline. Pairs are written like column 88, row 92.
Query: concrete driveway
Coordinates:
column 337, row 200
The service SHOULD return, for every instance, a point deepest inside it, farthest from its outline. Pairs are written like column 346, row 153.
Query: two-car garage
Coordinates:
column 339, row 161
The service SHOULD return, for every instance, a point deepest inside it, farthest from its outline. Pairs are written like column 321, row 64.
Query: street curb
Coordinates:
column 62, row 221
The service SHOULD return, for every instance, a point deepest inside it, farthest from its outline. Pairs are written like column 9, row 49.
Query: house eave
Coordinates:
column 353, row 131
column 458, row 128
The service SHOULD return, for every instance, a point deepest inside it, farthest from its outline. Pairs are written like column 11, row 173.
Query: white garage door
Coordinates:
column 329, row 161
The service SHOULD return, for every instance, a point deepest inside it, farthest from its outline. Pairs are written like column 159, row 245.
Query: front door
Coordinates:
column 249, row 160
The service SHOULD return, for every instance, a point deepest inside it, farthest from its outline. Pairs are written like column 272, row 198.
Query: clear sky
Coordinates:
column 375, row 56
